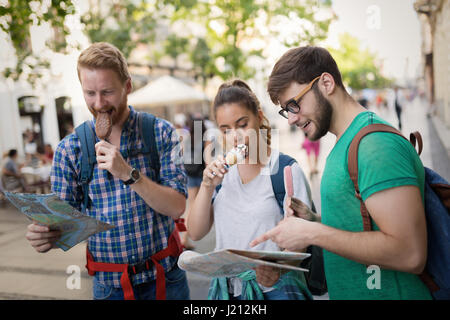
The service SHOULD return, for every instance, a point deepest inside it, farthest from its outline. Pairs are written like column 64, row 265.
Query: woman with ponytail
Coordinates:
column 240, row 199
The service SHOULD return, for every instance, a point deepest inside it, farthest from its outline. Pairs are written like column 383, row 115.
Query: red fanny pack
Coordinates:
column 174, row 249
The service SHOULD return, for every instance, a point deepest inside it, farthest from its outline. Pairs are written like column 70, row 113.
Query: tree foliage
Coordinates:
column 232, row 26
column 16, row 18
column 233, row 31
column 358, row 66
column 124, row 23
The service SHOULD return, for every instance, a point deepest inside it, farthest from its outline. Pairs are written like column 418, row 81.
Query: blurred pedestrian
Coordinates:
column 194, row 163
column 48, row 154
column 45, row 154
column 312, row 149
column 363, row 100
column 12, row 179
column 30, row 148
column 398, row 106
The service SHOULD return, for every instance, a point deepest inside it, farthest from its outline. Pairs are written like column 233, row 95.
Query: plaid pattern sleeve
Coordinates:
column 64, row 171
column 172, row 173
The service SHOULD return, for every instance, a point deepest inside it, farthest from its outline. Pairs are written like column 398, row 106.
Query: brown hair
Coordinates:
column 237, row 91
column 103, row 55
column 301, row 65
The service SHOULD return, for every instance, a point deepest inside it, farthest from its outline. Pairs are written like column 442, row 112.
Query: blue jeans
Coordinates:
column 194, row 182
column 176, row 288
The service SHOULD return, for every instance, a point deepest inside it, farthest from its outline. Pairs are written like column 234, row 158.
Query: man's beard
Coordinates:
column 117, row 113
column 323, row 116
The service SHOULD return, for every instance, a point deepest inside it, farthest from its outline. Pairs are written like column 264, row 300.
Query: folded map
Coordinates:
column 231, row 262
column 48, row 210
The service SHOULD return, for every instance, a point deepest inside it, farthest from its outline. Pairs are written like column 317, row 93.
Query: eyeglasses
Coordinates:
column 293, row 105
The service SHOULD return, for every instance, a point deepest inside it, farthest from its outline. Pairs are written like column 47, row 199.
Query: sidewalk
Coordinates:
column 26, row 274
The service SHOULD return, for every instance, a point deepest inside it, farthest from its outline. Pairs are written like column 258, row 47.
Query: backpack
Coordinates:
column 437, row 207
column 315, row 278
column 85, row 132
column 193, row 169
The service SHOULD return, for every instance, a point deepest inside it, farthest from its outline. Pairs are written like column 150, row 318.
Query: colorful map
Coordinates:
column 49, row 210
column 230, row 263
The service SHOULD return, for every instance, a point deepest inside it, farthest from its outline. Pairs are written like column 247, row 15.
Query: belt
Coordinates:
column 174, row 249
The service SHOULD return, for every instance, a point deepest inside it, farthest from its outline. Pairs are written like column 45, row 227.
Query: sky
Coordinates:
column 390, row 29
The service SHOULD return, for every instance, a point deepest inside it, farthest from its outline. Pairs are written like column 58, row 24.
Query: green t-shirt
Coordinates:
column 385, row 160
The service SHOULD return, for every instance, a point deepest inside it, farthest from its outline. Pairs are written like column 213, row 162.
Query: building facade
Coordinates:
column 50, row 109
column 434, row 16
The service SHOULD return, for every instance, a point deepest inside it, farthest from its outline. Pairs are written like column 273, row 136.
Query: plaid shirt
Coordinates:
column 140, row 231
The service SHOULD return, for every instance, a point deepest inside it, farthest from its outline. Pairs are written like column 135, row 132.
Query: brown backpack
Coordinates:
column 442, row 190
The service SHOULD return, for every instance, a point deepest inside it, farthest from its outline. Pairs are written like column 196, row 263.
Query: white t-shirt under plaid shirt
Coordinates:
column 140, row 231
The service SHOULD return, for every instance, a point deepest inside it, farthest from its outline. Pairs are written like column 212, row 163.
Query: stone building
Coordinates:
column 434, row 16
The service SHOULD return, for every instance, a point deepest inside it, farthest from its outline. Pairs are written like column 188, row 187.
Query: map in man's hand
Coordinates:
column 48, row 210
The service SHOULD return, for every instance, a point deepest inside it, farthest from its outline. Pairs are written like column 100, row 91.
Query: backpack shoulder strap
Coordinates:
column 415, row 136
column 147, row 133
column 88, row 159
column 277, row 179
column 353, row 163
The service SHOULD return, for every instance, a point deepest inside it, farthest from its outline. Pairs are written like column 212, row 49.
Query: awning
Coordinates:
column 165, row 90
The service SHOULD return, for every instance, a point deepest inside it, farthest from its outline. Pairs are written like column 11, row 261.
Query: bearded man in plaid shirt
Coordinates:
column 121, row 191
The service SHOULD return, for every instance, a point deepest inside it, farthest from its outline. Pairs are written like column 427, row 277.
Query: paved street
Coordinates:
column 25, row 274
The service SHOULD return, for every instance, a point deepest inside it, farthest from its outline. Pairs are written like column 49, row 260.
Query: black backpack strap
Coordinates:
column 88, row 159
column 147, row 134
column 277, row 180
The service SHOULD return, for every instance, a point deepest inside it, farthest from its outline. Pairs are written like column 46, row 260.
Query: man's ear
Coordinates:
column 327, row 83
column 128, row 85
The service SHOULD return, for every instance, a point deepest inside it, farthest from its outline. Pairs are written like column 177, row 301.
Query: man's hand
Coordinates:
column 292, row 234
column 109, row 158
column 295, row 207
column 41, row 238
column 267, row 276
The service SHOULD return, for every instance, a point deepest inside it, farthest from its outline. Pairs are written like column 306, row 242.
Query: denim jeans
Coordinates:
column 176, row 288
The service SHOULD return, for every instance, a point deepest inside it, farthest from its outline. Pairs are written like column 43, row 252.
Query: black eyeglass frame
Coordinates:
column 293, row 105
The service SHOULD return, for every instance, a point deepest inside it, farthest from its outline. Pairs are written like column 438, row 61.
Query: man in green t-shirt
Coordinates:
column 380, row 264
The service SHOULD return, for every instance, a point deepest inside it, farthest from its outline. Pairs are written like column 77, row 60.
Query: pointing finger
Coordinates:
column 266, row 236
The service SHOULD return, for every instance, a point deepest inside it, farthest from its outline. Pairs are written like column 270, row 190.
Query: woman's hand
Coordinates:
column 214, row 173
column 267, row 276
column 295, row 207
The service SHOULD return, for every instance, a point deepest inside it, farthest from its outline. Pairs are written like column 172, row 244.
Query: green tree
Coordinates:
column 175, row 46
column 232, row 24
column 124, row 23
column 358, row 66
column 201, row 57
column 16, row 18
